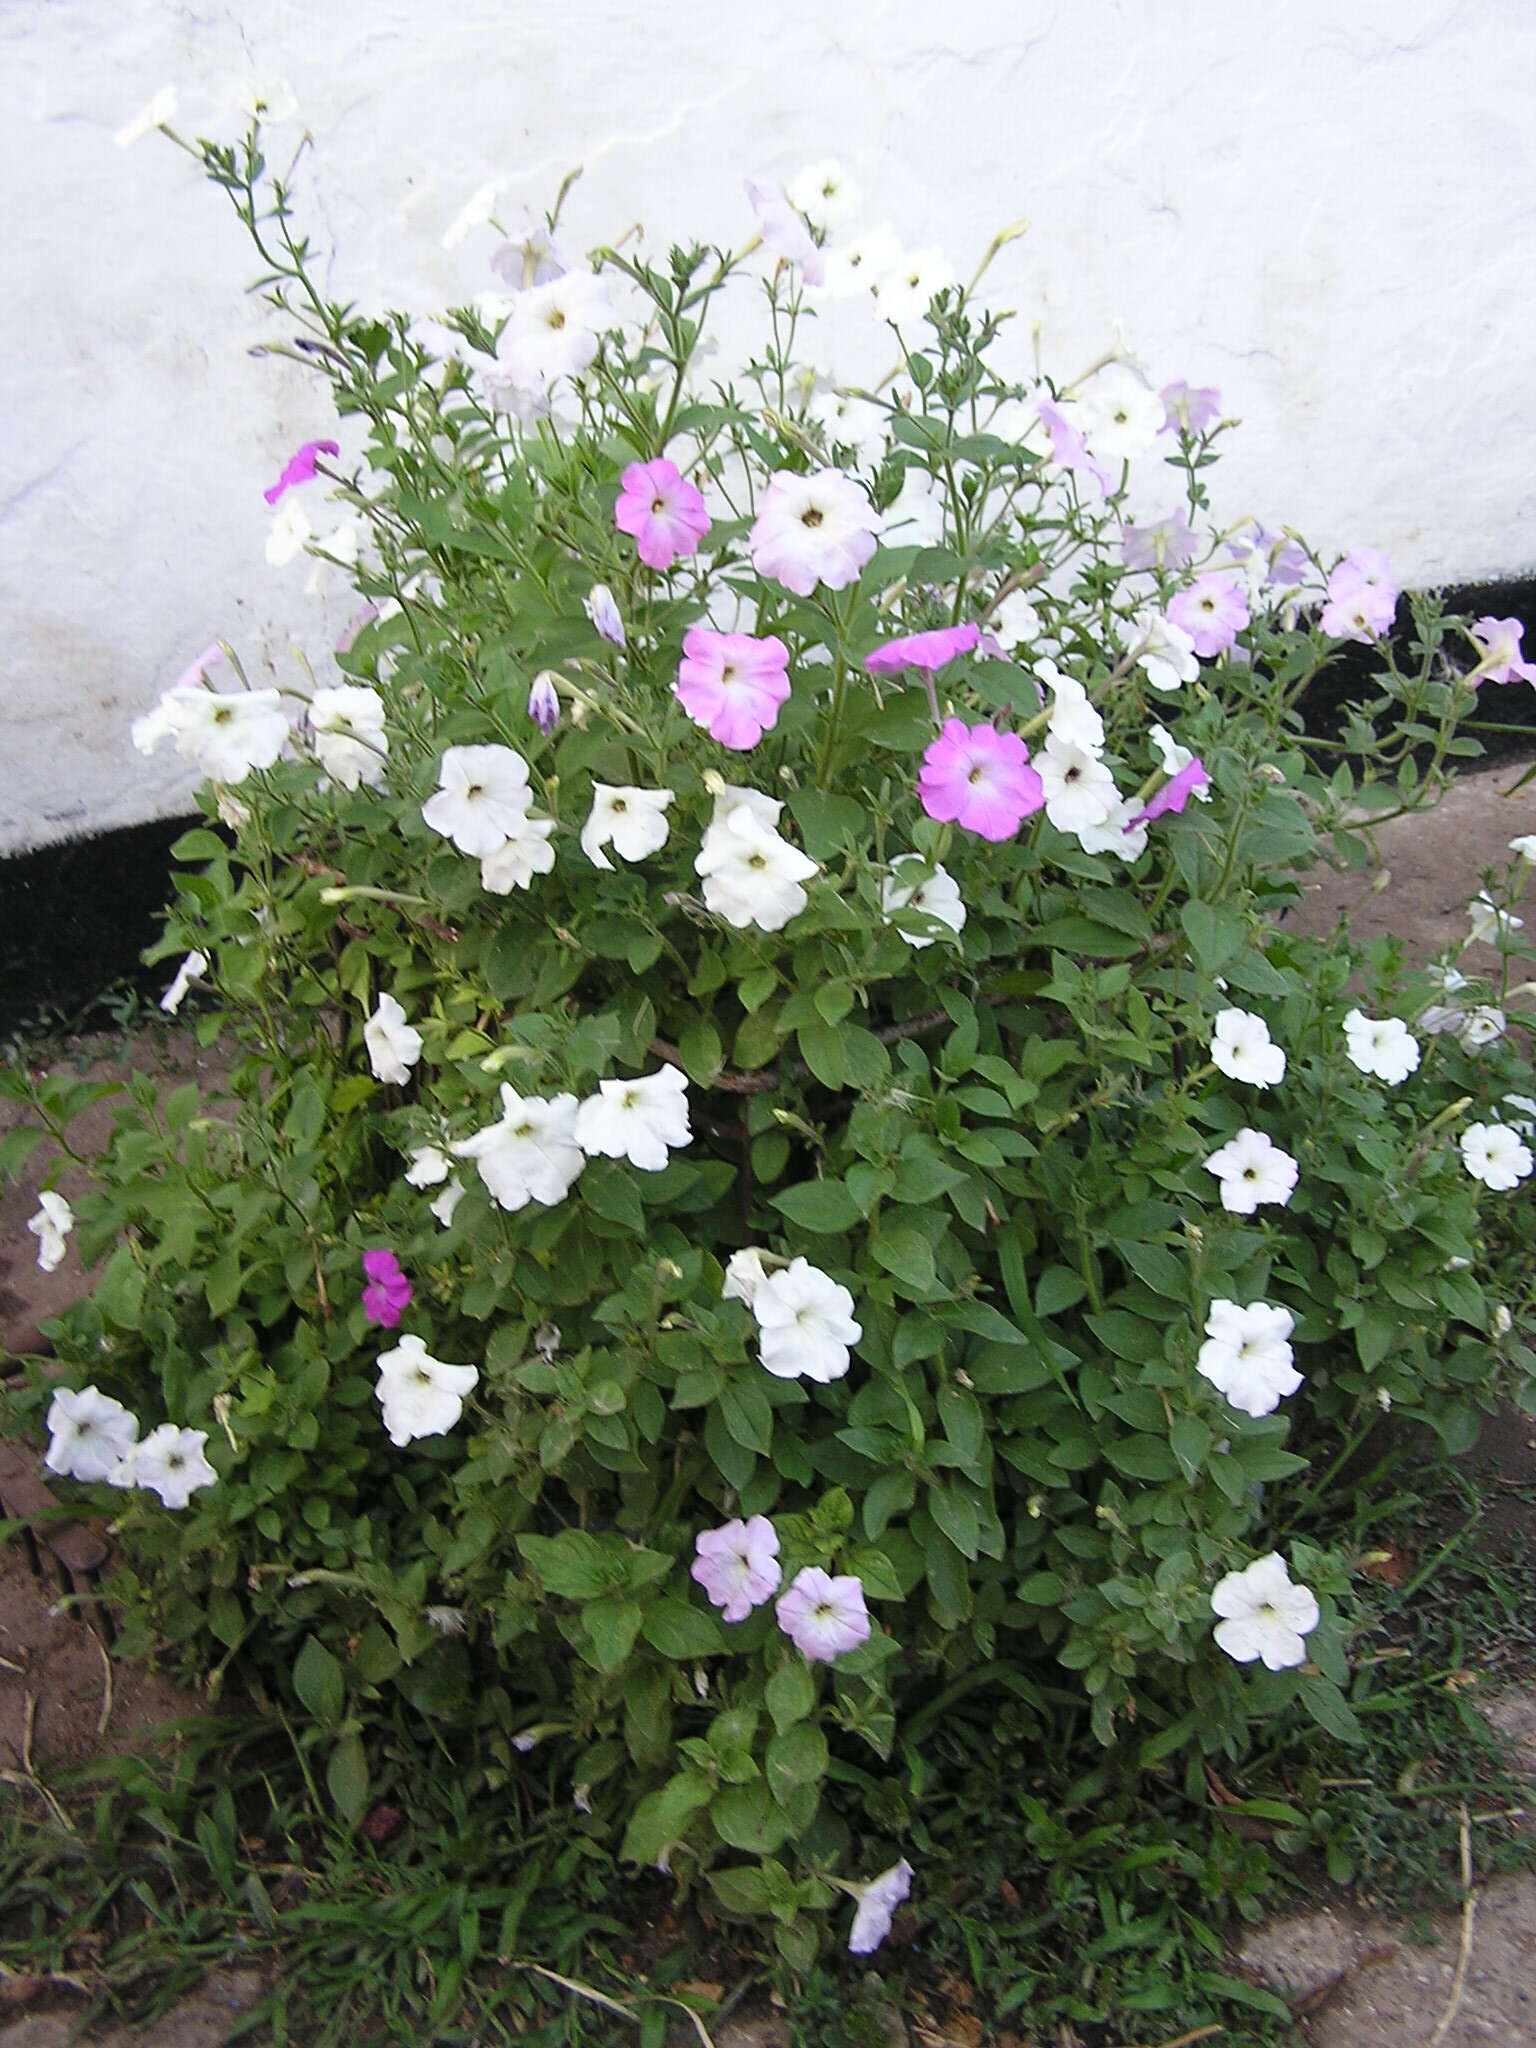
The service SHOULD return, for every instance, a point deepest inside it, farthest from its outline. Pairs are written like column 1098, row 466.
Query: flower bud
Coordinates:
column 544, row 702
column 601, row 609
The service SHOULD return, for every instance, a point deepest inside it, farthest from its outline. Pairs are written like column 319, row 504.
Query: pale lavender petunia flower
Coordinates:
column 1213, row 611
column 822, row 1616
column 1165, row 544
column 737, row 1565
column 1174, row 794
column 1499, row 642
column 877, row 1905
column 785, row 233
column 1191, row 408
column 1069, row 447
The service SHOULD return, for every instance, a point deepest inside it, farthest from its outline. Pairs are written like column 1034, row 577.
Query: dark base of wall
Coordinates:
column 74, row 918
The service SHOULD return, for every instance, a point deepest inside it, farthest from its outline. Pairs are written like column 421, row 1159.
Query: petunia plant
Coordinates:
column 783, row 1167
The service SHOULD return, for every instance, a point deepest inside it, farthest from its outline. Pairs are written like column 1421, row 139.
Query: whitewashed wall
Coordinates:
column 1325, row 207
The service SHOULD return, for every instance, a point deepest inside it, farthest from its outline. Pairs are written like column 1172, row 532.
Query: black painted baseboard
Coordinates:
column 75, row 917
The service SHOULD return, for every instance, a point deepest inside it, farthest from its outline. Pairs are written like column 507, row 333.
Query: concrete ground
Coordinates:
column 1355, row 1980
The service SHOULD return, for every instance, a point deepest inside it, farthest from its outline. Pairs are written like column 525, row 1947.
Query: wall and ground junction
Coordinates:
column 1325, row 210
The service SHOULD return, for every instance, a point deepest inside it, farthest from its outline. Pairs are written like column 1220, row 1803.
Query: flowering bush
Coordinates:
column 782, row 1167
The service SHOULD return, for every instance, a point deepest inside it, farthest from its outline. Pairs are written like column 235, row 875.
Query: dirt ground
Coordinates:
column 1359, row 1979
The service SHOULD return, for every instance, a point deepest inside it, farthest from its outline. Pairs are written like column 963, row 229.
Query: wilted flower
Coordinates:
column 1496, row 1155
column 89, row 1434
column 642, row 1120
column 1383, row 1046
column 813, row 529
column 805, row 1323
column 1069, row 449
column 388, row 1291
column 632, row 821
column 1175, row 793
column 393, row 1046
column 822, row 1616
column 430, row 1166
column 1252, row 1171
column 530, row 1153
column 744, row 1274
column 1241, row 1047
column 1263, row 1614
column 737, row 1565
column 1247, row 1355
column 50, row 1225
column 980, row 778
column 419, row 1394
column 733, row 684
column 934, row 893
column 443, row 1204
column 1481, row 1026
column 662, row 510
column 170, row 1463
column 481, row 798
column 877, row 1905
column 193, row 968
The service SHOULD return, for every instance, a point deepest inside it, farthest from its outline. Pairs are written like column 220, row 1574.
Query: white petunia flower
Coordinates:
column 419, row 1394
column 1489, row 923
column 877, row 1905
column 170, row 1462
column 1079, row 790
column 1253, row 1171
column 934, row 893
column 1383, row 1046
column 632, row 821
column 1525, row 846
column 524, row 853
column 290, row 534
column 751, row 875
column 916, row 518
column 531, row 1153
column 339, row 548
column 850, row 422
column 1119, row 416
column 346, row 724
column 1262, row 1613
column 858, row 264
column 193, row 968
column 640, row 1120
column 1525, row 1122
column 1015, row 622
column 744, row 1274
column 1123, row 832
column 482, row 798
column 1481, row 1026
column 904, row 292
column 227, row 736
column 475, row 211
column 159, row 113
column 553, row 330
column 266, row 99
column 89, row 1434
column 1246, row 1355
column 393, row 1046
column 430, row 1166
column 1496, row 1155
column 528, row 256
column 729, row 796
column 1241, row 1047
column 805, row 1323
column 813, row 529
column 1072, row 722
column 446, row 1201
column 1164, row 652
column 51, row 1224
column 825, row 194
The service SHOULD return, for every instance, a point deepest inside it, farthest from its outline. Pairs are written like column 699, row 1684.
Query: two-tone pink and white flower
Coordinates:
column 819, row 528
column 733, row 684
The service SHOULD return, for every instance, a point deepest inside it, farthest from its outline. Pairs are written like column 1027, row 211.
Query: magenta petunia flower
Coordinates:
column 663, row 512
column 300, row 467
column 979, row 778
column 1213, row 611
column 1174, row 794
column 927, row 651
column 732, row 684
column 387, row 1291
column 1191, row 408
column 1499, row 640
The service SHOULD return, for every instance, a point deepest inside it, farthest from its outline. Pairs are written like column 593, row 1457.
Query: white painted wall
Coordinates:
column 1323, row 206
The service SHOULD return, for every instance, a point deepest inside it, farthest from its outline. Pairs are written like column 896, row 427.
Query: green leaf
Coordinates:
column 743, row 1889
column 748, row 1817
column 1142, row 1457
column 748, row 1415
column 821, row 1047
column 955, row 1514
column 572, row 1565
column 612, row 1623
column 907, row 1255
column 824, row 1207
column 662, row 1818
column 1191, row 1440
column 1328, row 1707
column 1216, row 933
column 1057, row 1288
column 796, row 1756
column 700, row 1052
column 318, row 1682
column 678, row 1631
column 790, row 1693
column 609, row 1190
column 960, row 1415
column 346, row 1779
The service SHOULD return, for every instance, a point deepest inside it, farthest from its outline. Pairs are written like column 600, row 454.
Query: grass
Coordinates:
column 1051, row 1892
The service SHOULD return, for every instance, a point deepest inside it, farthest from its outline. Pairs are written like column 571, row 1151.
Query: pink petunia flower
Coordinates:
column 1499, row 640
column 822, row 1616
column 300, row 467
column 979, row 778
column 1213, row 611
column 927, row 651
column 1191, row 407
column 1165, row 544
column 663, row 512
column 387, row 1291
column 1174, row 794
column 1069, row 447
column 737, row 1565
column 732, row 684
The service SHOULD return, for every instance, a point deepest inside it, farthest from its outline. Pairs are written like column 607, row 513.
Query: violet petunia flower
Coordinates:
column 544, row 702
column 1499, row 641
column 927, row 651
column 1165, row 544
column 1069, row 447
column 1191, row 407
column 300, row 467
column 387, row 1291
column 732, row 684
column 1174, row 794
column 662, row 511
column 1213, row 611
column 979, row 778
